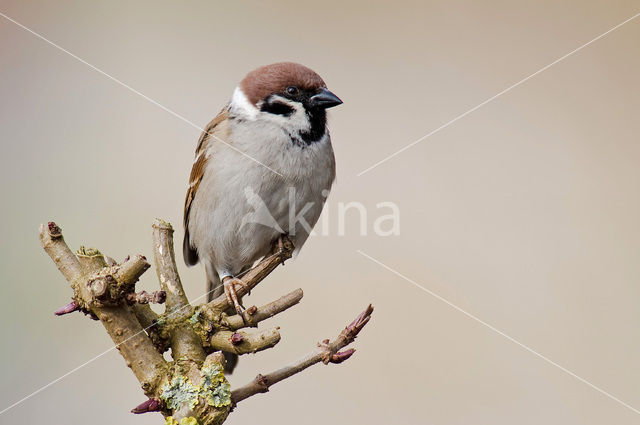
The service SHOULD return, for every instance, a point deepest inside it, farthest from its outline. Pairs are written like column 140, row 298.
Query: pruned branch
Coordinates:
column 185, row 343
column 245, row 342
column 191, row 388
column 167, row 270
column 120, row 322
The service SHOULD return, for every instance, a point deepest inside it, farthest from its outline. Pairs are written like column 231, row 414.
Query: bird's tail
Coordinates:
column 214, row 290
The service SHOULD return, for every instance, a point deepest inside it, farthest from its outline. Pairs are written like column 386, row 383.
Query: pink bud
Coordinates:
column 151, row 405
column 341, row 356
column 69, row 308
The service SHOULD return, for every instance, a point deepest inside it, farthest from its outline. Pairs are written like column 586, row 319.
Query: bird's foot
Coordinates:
column 230, row 291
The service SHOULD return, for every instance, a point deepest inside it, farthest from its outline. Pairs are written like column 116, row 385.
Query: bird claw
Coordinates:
column 231, row 293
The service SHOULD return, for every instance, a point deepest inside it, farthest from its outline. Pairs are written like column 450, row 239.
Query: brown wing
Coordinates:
column 197, row 171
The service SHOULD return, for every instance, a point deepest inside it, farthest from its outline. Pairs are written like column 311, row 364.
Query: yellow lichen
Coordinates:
column 170, row 420
column 88, row 252
column 214, row 388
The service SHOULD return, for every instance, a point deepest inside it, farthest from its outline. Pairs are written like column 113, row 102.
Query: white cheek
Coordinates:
column 297, row 121
column 299, row 118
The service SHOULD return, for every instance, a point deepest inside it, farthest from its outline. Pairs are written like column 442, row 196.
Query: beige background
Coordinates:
column 524, row 213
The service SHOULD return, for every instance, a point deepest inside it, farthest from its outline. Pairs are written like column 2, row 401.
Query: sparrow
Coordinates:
column 269, row 149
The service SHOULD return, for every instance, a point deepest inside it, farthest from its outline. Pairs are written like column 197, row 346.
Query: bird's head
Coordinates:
column 289, row 94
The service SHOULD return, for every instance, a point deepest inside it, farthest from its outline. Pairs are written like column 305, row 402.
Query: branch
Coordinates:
column 144, row 297
column 167, row 270
column 184, row 341
column 54, row 245
column 243, row 342
column 258, row 314
column 192, row 387
column 131, row 269
column 327, row 352
column 120, row 322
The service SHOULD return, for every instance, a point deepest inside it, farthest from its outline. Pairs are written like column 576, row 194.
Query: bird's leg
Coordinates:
column 281, row 247
column 230, row 283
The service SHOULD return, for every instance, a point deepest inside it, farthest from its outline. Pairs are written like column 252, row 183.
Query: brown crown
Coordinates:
column 275, row 78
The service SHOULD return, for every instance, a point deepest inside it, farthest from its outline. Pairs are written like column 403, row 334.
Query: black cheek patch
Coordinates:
column 277, row 108
column 318, row 121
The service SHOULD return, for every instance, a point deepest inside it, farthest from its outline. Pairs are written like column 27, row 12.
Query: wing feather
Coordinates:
column 189, row 252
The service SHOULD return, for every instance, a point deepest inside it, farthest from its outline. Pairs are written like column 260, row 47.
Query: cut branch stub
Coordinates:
column 245, row 342
column 111, row 285
column 90, row 258
column 185, row 342
column 167, row 269
column 99, row 286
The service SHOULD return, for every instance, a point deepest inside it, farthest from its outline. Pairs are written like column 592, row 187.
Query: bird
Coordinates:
column 262, row 171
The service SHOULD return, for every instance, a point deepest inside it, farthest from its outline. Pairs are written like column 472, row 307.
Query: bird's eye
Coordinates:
column 292, row 90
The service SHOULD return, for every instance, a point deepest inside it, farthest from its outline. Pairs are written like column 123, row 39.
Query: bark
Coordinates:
column 190, row 388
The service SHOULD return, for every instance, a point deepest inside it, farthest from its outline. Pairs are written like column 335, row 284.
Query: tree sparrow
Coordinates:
column 269, row 146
